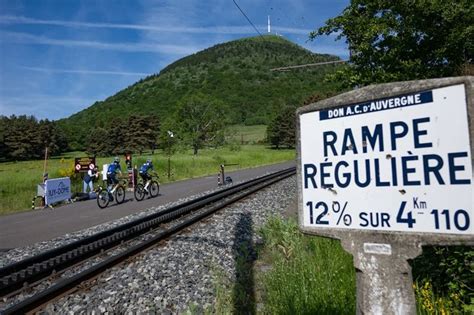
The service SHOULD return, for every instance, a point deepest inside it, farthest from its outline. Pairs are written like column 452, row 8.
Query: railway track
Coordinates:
column 21, row 276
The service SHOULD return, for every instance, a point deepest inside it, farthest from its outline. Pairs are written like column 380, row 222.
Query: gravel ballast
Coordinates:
column 180, row 273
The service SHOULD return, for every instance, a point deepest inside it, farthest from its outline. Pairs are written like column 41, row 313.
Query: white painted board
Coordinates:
column 396, row 164
column 57, row 189
column 105, row 167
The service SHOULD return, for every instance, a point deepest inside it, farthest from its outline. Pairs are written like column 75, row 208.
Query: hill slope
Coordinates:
column 236, row 73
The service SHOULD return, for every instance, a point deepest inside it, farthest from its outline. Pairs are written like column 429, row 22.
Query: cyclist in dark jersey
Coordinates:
column 112, row 171
column 144, row 169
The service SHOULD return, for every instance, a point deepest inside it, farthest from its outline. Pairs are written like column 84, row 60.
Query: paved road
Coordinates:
column 27, row 228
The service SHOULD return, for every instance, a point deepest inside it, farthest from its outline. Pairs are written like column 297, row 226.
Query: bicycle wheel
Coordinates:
column 154, row 189
column 139, row 192
column 103, row 198
column 120, row 194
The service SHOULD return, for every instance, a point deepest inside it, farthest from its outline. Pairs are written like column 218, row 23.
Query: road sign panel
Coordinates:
column 83, row 164
column 401, row 163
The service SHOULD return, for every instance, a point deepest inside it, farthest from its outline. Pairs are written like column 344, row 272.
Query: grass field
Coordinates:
column 18, row 180
column 247, row 134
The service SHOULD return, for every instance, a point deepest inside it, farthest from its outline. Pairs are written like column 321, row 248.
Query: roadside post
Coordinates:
column 386, row 169
column 131, row 173
column 221, row 178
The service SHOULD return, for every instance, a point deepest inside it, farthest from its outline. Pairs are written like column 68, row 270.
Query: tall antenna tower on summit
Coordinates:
column 269, row 29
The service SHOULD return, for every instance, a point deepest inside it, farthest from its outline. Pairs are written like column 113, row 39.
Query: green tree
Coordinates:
column 50, row 136
column 141, row 133
column 403, row 40
column 3, row 147
column 168, row 138
column 23, row 137
column 98, row 143
column 20, row 134
column 281, row 130
column 200, row 121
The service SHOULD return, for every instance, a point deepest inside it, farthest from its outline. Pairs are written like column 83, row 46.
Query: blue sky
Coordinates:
column 58, row 57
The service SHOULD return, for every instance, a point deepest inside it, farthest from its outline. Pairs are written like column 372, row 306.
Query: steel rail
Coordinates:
column 38, row 267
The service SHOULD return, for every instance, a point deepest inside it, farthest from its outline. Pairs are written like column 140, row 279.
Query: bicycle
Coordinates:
column 153, row 189
column 104, row 196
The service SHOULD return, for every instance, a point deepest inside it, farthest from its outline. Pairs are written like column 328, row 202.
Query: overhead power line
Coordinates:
column 307, row 65
column 248, row 19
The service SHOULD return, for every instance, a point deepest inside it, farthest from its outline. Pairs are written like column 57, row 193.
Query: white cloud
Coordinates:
column 24, row 38
column 86, row 71
column 5, row 19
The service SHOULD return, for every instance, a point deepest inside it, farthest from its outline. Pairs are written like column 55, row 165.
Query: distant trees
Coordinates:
column 281, row 130
column 141, row 133
column 200, row 121
column 316, row 97
column 24, row 137
column 135, row 134
column 98, row 142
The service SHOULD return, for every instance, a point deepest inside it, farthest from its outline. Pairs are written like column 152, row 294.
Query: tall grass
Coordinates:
column 308, row 275
column 293, row 274
column 301, row 274
column 18, row 180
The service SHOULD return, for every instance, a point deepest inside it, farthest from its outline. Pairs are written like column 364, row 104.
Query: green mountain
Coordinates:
column 236, row 73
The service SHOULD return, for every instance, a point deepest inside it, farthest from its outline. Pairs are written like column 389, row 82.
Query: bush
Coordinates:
column 444, row 279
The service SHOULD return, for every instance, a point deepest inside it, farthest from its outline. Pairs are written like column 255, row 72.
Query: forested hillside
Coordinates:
column 236, row 74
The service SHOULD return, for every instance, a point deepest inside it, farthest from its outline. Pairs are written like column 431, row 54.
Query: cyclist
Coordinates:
column 112, row 171
column 144, row 169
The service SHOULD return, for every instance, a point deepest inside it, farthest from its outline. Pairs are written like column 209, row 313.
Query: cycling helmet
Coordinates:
column 149, row 161
column 116, row 159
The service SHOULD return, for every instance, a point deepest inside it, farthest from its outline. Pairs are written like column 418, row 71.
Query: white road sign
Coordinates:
column 395, row 164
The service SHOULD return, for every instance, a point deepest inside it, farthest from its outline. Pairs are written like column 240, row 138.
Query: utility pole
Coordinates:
column 45, row 166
